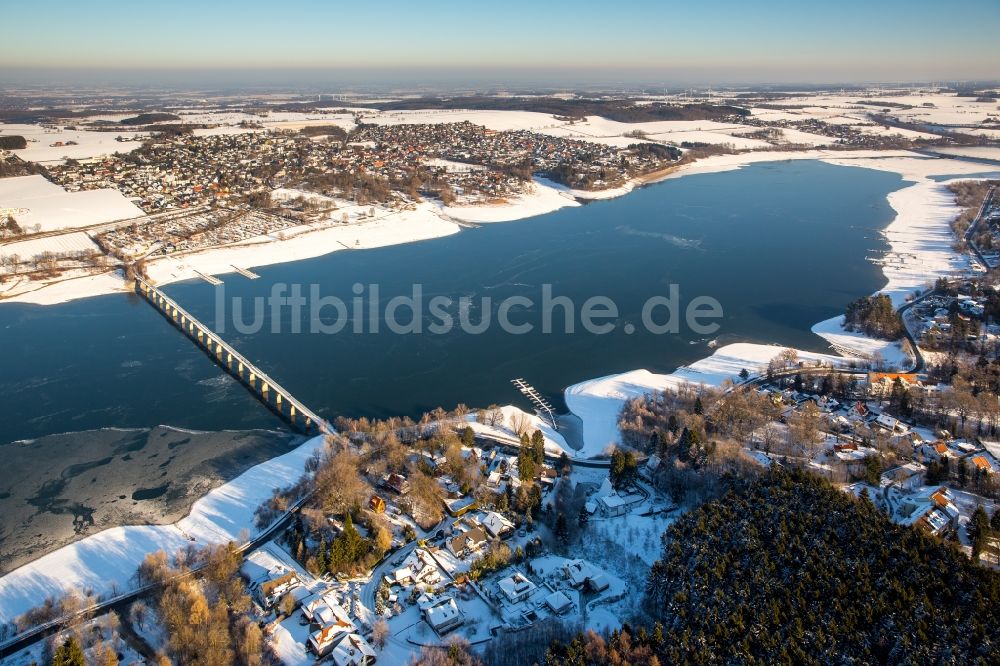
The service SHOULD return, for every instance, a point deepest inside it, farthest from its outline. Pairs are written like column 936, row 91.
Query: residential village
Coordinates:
column 371, row 163
column 218, row 190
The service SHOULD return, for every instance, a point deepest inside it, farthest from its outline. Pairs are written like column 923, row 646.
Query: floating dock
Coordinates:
column 542, row 406
column 245, row 273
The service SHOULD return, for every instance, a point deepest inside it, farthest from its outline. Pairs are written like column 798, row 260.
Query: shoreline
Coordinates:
column 108, row 558
column 112, row 477
column 105, row 562
column 430, row 220
column 919, row 234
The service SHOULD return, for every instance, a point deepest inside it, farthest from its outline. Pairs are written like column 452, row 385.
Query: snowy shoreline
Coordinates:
column 430, row 220
column 919, row 236
column 426, row 221
column 106, row 561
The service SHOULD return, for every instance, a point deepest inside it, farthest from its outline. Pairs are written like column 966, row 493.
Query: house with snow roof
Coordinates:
column 268, row 583
column 353, row 650
column 906, row 477
column 322, row 641
column 442, row 614
column 559, row 602
column 516, row 587
column 581, row 573
column 496, row 525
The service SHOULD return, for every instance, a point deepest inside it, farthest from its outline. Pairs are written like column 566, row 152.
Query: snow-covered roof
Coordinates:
column 613, row 500
column 578, row 571
column 442, row 612
column 495, row 524
column 352, row 650
column 327, row 614
column 515, row 585
column 558, row 601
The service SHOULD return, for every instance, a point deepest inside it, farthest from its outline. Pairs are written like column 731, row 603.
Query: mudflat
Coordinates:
column 60, row 488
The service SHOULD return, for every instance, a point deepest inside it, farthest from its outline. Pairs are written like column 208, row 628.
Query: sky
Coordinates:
column 657, row 41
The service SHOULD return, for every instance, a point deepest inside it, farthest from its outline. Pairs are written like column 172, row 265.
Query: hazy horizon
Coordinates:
column 635, row 43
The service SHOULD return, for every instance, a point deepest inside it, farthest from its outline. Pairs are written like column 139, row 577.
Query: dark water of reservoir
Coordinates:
column 779, row 245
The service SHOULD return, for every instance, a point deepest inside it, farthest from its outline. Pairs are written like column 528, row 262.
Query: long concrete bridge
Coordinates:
column 263, row 387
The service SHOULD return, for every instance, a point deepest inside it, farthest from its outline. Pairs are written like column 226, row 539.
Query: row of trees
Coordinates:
column 969, row 195
column 984, row 532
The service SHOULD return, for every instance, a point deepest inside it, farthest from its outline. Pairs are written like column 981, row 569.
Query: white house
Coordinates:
column 907, row 477
column 652, row 464
column 578, row 572
column 322, row 641
column 329, row 614
column 559, row 602
column 496, row 525
column 613, row 505
column 443, row 615
column 516, row 587
column 353, row 650
column 889, row 423
column 312, row 609
column 402, row 575
column 268, row 584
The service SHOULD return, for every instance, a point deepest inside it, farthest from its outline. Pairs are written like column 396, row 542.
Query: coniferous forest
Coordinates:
column 874, row 316
column 790, row 570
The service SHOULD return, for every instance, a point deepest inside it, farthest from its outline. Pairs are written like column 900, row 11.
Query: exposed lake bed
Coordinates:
column 60, row 488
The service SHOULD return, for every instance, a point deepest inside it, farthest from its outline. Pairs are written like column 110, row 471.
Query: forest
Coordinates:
column 874, row 316
column 787, row 569
column 621, row 110
column 149, row 118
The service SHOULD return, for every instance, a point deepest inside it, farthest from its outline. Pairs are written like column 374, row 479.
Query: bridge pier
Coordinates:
column 224, row 355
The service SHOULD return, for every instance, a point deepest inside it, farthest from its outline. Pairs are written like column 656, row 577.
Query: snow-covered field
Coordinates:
column 38, row 202
column 42, row 140
column 931, row 108
column 858, row 344
column 975, row 152
column 74, row 242
column 495, row 120
column 45, row 206
column 105, row 562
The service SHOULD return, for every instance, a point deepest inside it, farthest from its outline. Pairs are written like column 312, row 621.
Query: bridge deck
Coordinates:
column 216, row 346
